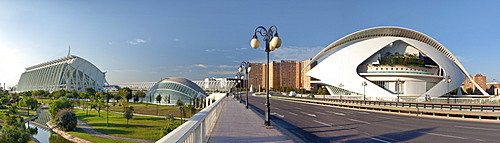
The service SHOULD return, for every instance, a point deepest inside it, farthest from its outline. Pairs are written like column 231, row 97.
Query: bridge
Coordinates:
column 297, row 119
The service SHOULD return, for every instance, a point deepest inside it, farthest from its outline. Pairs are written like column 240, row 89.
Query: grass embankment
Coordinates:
column 82, row 134
column 140, row 127
column 150, row 109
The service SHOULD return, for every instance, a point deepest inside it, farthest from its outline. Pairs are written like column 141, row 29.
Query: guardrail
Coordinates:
column 198, row 128
column 479, row 110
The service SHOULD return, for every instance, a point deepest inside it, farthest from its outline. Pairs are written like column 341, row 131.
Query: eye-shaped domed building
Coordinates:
column 392, row 61
column 175, row 88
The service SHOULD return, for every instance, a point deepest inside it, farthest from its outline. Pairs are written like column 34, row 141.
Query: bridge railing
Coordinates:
column 198, row 128
column 479, row 110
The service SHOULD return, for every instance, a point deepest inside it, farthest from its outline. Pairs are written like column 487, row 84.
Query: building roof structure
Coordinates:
column 356, row 49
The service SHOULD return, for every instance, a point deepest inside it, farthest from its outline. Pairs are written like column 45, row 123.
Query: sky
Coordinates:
column 144, row 41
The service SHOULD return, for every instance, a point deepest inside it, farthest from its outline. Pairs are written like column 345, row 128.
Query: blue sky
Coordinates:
column 138, row 41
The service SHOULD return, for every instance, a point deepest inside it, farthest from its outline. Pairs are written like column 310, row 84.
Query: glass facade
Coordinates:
column 175, row 88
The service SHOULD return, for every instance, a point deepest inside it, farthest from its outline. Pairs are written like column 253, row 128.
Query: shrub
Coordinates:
column 66, row 120
column 57, row 105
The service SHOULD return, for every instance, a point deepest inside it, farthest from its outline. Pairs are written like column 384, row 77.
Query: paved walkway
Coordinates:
column 237, row 124
column 88, row 129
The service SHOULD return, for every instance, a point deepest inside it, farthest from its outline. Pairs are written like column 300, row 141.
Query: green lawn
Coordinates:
column 81, row 134
column 150, row 109
column 140, row 127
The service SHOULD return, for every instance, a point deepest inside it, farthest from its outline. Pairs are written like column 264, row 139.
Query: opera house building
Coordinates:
column 388, row 62
column 67, row 73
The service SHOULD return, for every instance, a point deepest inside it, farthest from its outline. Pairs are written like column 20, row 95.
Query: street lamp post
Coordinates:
column 447, row 79
column 181, row 109
column 398, row 82
column 341, row 90
column 247, row 67
column 364, row 84
column 272, row 42
column 239, row 76
column 323, row 92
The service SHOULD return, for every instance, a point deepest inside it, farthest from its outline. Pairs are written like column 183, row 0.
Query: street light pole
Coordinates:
column 247, row 67
column 272, row 42
column 364, row 84
column 341, row 90
column 447, row 79
column 398, row 82
column 239, row 76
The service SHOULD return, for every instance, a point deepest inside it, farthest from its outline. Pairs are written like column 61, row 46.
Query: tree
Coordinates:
column 117, row 97
column 14, row 131
column 139, row 95
column 192, row 109
column 65, row 119
column 128, row 113
column 30, row 103
column 90, row 91
column 179, row 102
column 127, row 93
column 158, row 99
column 168, row 99
column 124, row 93
column 98, row 102
column 58, row 104
column 58, row 94
column 469, row 90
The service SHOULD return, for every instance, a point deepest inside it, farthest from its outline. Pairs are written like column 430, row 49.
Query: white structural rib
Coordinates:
column 378, row 32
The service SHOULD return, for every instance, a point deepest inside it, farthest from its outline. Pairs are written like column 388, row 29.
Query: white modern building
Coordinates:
column 67, row 73
column 392, row 61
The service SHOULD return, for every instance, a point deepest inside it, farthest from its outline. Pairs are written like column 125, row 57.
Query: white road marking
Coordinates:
column 450, row 136
column 477, row 128
column 276, row 114
column 293, row 113
column 389, row 118
column 277, row 108
column 312, row 115
column 341, row 114
column 384, row 141
column 321, row 113
column 363, row 112
column 359, row 121
column 322, row 123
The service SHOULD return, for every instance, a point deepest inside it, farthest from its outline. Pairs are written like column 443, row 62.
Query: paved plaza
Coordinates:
column 237, row 124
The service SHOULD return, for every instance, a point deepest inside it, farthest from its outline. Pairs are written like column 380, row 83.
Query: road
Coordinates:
column 320, row 123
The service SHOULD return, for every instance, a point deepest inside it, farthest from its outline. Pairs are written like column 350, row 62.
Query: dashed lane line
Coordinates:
column 322, row 123
column 359, row 121
column 477, row 128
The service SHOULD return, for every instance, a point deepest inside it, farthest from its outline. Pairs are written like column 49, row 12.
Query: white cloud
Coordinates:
column 200, row 65
column 211, row 50
column 177, row 40
column 220, row 72
column 295, row 53
column 228, row 66
column 110, row 43
column 137, row 41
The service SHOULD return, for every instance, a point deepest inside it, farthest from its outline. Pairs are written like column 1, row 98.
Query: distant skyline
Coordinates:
column 144, row 41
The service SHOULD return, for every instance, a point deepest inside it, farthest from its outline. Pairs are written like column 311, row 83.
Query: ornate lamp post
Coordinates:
column 447, row 79
column 364, row 90
column 398, row 84
column 239, row 76
column 272, row 42
column 247, row 67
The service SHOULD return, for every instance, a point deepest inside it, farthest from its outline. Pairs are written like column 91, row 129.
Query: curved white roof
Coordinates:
column 378, row 32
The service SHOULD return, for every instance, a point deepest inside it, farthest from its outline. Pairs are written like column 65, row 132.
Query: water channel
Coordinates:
column 44, row 135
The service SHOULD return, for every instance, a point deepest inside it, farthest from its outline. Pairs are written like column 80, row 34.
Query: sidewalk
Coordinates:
column 237, row 124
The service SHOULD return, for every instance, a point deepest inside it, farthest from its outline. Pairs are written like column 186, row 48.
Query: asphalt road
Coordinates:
column 320, row 123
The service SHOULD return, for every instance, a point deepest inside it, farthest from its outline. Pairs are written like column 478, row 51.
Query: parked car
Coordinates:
column 292, row 93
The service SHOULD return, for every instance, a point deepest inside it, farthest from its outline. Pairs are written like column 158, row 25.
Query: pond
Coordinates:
column 45, row 136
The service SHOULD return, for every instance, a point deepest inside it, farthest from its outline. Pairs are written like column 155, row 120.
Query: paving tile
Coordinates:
column 239, row 125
